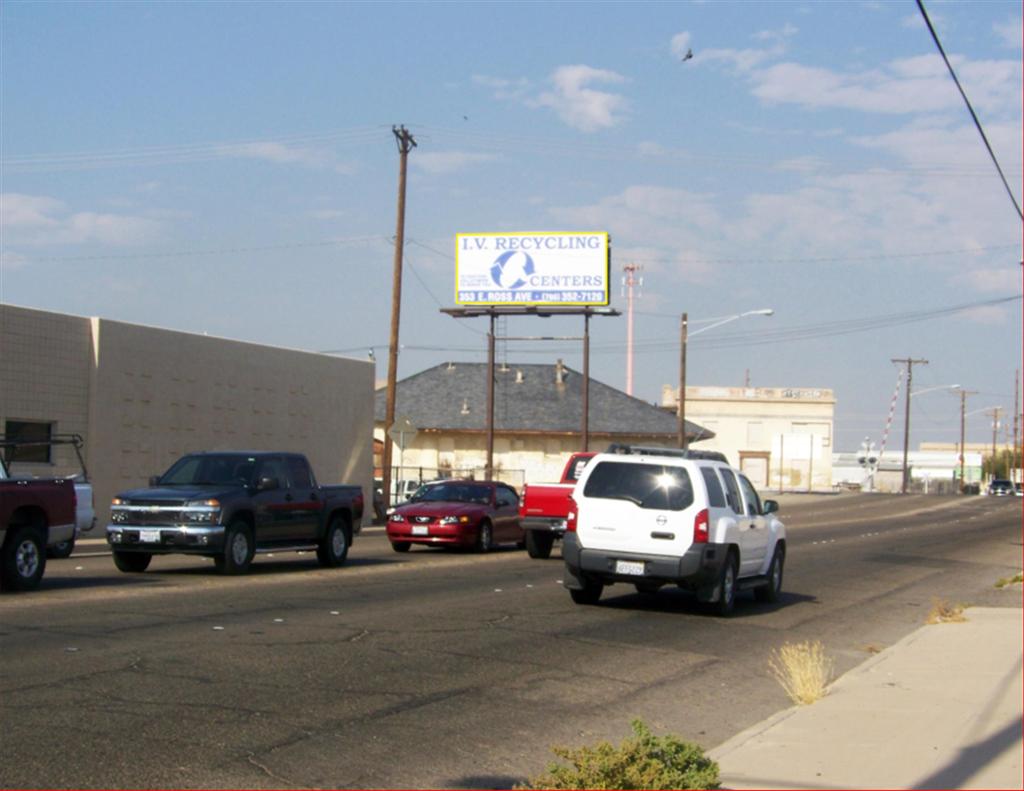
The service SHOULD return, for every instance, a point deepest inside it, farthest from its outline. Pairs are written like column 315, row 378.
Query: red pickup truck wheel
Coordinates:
column 538, row 543
column 24, row 559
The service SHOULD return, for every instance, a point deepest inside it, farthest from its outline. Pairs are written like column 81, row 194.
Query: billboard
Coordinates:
column 539, row 268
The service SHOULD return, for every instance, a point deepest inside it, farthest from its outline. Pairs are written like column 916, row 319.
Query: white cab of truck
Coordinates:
column 658, row 516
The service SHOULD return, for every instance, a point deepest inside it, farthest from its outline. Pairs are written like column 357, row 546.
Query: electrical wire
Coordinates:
column 974, row 116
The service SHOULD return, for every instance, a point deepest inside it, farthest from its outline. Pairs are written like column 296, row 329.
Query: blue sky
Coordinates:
column 229, row 168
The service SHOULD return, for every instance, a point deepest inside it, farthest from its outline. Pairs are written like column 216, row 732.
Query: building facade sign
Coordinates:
column 539, row 268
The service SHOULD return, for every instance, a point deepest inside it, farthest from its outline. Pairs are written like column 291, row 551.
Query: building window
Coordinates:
column 28, row 431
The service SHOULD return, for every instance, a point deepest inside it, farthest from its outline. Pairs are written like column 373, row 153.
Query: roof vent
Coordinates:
column 519, row 376
column 504, row 367
column 451, row 367
column 465, row 406
column 559, row 373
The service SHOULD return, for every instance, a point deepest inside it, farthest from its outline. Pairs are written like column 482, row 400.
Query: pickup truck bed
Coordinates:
column 544, row 507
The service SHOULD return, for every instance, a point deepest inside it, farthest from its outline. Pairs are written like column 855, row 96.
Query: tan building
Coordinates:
column 538, row 413
column 781, row 437
column 141, row 397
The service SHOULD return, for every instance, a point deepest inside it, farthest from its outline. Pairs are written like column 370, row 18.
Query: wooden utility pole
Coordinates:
column 994, row 414
column 910, row 363
column 1014, row 458
column 405, row 144
column 963, row 420
column 681, row 410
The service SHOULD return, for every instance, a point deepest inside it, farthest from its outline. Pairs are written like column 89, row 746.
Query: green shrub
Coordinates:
column 644, row 761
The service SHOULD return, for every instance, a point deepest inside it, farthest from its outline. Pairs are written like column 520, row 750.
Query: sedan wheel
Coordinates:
column 485, row 538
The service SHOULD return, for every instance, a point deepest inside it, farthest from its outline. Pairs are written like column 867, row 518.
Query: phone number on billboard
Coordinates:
column 532, row 296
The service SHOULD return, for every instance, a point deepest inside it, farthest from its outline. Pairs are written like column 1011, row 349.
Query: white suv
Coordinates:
column 658, row 516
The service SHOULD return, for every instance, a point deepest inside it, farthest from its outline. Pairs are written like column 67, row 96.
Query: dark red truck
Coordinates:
column 544, row 506
column 34, row 514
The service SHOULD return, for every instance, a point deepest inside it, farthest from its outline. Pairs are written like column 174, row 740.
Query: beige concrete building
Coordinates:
column 781, row 437
column 141, row 397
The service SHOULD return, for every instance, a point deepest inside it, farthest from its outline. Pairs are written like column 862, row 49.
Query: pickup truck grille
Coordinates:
column 151, row 514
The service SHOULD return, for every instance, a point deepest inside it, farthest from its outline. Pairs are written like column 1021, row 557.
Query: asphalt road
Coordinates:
column 438, row 669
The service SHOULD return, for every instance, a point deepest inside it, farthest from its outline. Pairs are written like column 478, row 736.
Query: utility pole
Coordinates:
column 1016, row 426
column 963, row 416
column 405, row 144
column 995, row 427
column 629, row 281
column 910, row 363
column 681, row 409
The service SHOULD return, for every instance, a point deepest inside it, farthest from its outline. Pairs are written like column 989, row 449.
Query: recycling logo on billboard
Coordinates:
column 511, row 269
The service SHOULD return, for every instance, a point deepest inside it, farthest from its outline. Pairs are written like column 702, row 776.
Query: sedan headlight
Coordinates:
column 453, row 520
column 394, row 517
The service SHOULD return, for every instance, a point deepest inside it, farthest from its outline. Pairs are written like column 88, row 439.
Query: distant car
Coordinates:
column 1018, row 489
column 457, row 513
column 1000, row 487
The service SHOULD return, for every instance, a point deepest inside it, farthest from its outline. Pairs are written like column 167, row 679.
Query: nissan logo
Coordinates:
column 662, row 520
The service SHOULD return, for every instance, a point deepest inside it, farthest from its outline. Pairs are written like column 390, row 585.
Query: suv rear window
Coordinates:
column 651, row 486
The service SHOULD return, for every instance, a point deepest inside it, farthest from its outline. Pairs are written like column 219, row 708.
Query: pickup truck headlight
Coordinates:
column 453, row 520
column 202, row 510
column 116, row 512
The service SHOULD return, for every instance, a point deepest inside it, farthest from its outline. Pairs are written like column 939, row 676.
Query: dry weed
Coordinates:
column 803, row 670
column 944, row 612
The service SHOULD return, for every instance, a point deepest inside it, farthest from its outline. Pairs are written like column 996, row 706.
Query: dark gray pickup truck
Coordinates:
column 230, row 506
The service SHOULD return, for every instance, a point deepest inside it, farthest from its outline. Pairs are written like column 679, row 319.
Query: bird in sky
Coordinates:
column 688, row 55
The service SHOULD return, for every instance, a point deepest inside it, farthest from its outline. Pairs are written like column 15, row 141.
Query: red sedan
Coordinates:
column 458, row 513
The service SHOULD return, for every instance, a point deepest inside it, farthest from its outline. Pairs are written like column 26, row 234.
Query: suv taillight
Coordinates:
column 700, row 527
column 570, row 517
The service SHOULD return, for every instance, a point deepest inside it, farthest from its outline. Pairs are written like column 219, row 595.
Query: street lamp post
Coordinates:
column 684, row 335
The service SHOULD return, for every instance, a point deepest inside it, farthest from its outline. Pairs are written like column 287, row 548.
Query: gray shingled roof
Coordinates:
column 527, row 398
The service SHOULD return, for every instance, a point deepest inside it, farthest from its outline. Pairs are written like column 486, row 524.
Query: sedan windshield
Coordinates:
column 221, row 469
column 452, row 493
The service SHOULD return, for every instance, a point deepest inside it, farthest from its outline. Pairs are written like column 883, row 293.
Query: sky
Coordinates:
column 230, row 169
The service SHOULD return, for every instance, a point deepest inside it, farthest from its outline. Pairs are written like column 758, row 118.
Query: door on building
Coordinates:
column 755, row 467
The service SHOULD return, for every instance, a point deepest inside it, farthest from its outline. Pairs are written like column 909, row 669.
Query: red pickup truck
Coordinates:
column 34, row 515
column 544, row 506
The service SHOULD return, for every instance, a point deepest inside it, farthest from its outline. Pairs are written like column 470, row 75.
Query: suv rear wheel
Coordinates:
column 726, row 587
column 589, row 593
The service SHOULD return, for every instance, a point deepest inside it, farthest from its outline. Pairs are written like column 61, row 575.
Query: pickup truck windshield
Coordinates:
column 453, row 493
column 220, row 469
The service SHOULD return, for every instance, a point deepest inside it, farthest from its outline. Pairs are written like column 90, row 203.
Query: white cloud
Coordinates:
column 327, row 214
column 910, row 85
column 439, row 162
column 1010, row 32
column 581, row 106
column 36, row 220
column 504, row 89
column 680, row 44
column 282, row 154
column 1005, row 280
column 746, row 60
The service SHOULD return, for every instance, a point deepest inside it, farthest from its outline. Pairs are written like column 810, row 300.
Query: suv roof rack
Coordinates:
column 650, row 450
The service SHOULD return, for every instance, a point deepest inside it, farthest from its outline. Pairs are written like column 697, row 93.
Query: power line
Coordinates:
column 977, row 123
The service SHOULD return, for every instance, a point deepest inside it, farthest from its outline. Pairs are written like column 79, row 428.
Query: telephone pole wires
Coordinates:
column 910, row 363
column 405, row 144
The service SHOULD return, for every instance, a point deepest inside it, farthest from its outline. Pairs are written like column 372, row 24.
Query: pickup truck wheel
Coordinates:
column 132, row 562
column 538, row 544
column 589, row 593
column 238, row 550
column 61, row 550
column 333, row 547
column 726, row 587
column 400, row 546
column 484, row 537
column 770, row 593
column 24, row 559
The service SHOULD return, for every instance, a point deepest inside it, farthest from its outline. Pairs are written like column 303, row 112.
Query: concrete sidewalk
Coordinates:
column 941, row 708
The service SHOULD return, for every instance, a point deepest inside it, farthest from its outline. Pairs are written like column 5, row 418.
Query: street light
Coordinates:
column 930, row 389
column 683, row 339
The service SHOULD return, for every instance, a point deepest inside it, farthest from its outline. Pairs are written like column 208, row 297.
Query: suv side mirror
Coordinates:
column 769, row 506
column 266, row 484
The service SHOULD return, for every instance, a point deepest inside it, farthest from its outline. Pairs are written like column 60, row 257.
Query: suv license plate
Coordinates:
column 149, row 536
column 629, row 567
column 420, row 530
